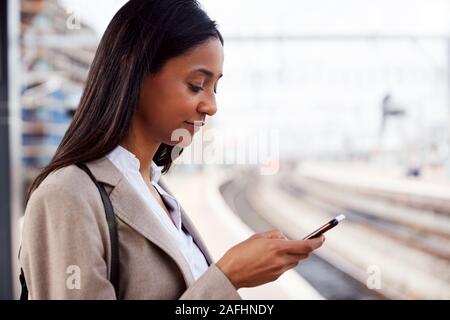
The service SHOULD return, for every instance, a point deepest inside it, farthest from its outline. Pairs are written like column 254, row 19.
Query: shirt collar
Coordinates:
column 156, row 173
column 127, row 160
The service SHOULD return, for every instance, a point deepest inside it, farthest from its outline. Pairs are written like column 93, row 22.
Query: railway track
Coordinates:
column 431, row 242
column 328, row 280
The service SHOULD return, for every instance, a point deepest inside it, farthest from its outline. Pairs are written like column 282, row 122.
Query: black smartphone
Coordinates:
column 327, row 226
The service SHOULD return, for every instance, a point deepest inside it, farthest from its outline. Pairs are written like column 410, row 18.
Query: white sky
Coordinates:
column 330, row 90
column 301, row 16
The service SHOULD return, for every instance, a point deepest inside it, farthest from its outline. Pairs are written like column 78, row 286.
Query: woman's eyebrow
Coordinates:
column 207, row 72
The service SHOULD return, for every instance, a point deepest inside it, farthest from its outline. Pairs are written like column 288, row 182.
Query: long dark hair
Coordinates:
column 141, row 37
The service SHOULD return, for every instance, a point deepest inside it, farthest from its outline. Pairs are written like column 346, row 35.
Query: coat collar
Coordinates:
column 131, row 209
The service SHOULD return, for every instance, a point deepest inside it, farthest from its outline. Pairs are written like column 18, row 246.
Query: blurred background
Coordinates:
column 326, row 107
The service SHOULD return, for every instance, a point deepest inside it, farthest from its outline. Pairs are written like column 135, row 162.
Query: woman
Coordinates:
column 155, row 71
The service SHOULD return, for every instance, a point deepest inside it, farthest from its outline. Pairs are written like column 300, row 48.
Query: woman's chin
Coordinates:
column 182, row 142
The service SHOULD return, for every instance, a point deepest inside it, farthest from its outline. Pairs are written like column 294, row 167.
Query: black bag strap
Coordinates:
column 113, row 236
column 23, row 284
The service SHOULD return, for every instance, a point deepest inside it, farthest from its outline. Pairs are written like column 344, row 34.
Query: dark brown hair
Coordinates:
column 139, row 40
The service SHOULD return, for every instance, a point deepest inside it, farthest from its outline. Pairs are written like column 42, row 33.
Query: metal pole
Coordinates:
column 5, row 205
column 448, row 97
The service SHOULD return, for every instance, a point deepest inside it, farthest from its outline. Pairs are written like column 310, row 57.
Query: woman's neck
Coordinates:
column 143, row 149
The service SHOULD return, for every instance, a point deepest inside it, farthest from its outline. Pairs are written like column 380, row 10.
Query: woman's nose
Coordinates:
column 209, row 107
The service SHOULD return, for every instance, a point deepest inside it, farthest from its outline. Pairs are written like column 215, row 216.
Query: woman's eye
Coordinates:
column 195, row 89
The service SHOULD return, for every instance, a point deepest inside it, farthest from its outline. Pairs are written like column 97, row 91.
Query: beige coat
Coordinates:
column 65, row 250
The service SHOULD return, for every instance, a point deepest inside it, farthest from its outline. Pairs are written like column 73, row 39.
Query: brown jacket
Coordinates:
column 65, row 250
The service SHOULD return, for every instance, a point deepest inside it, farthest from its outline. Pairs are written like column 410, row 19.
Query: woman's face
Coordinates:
column 181, row 93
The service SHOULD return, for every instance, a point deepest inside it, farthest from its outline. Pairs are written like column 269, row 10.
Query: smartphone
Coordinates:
column 327, row 226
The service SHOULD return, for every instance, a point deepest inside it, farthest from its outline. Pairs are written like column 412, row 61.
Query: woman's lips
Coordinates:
column 194, row 127
column 196, row 123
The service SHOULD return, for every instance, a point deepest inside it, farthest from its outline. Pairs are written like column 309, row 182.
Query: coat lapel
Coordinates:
column 131, row 209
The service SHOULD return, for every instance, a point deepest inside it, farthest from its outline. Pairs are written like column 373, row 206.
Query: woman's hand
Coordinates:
column 264, row 257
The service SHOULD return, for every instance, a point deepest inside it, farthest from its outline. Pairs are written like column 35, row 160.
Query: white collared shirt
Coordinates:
column 128, row 164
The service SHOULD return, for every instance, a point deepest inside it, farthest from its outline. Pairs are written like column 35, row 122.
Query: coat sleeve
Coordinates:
column 63, row 246
column 214, row 285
